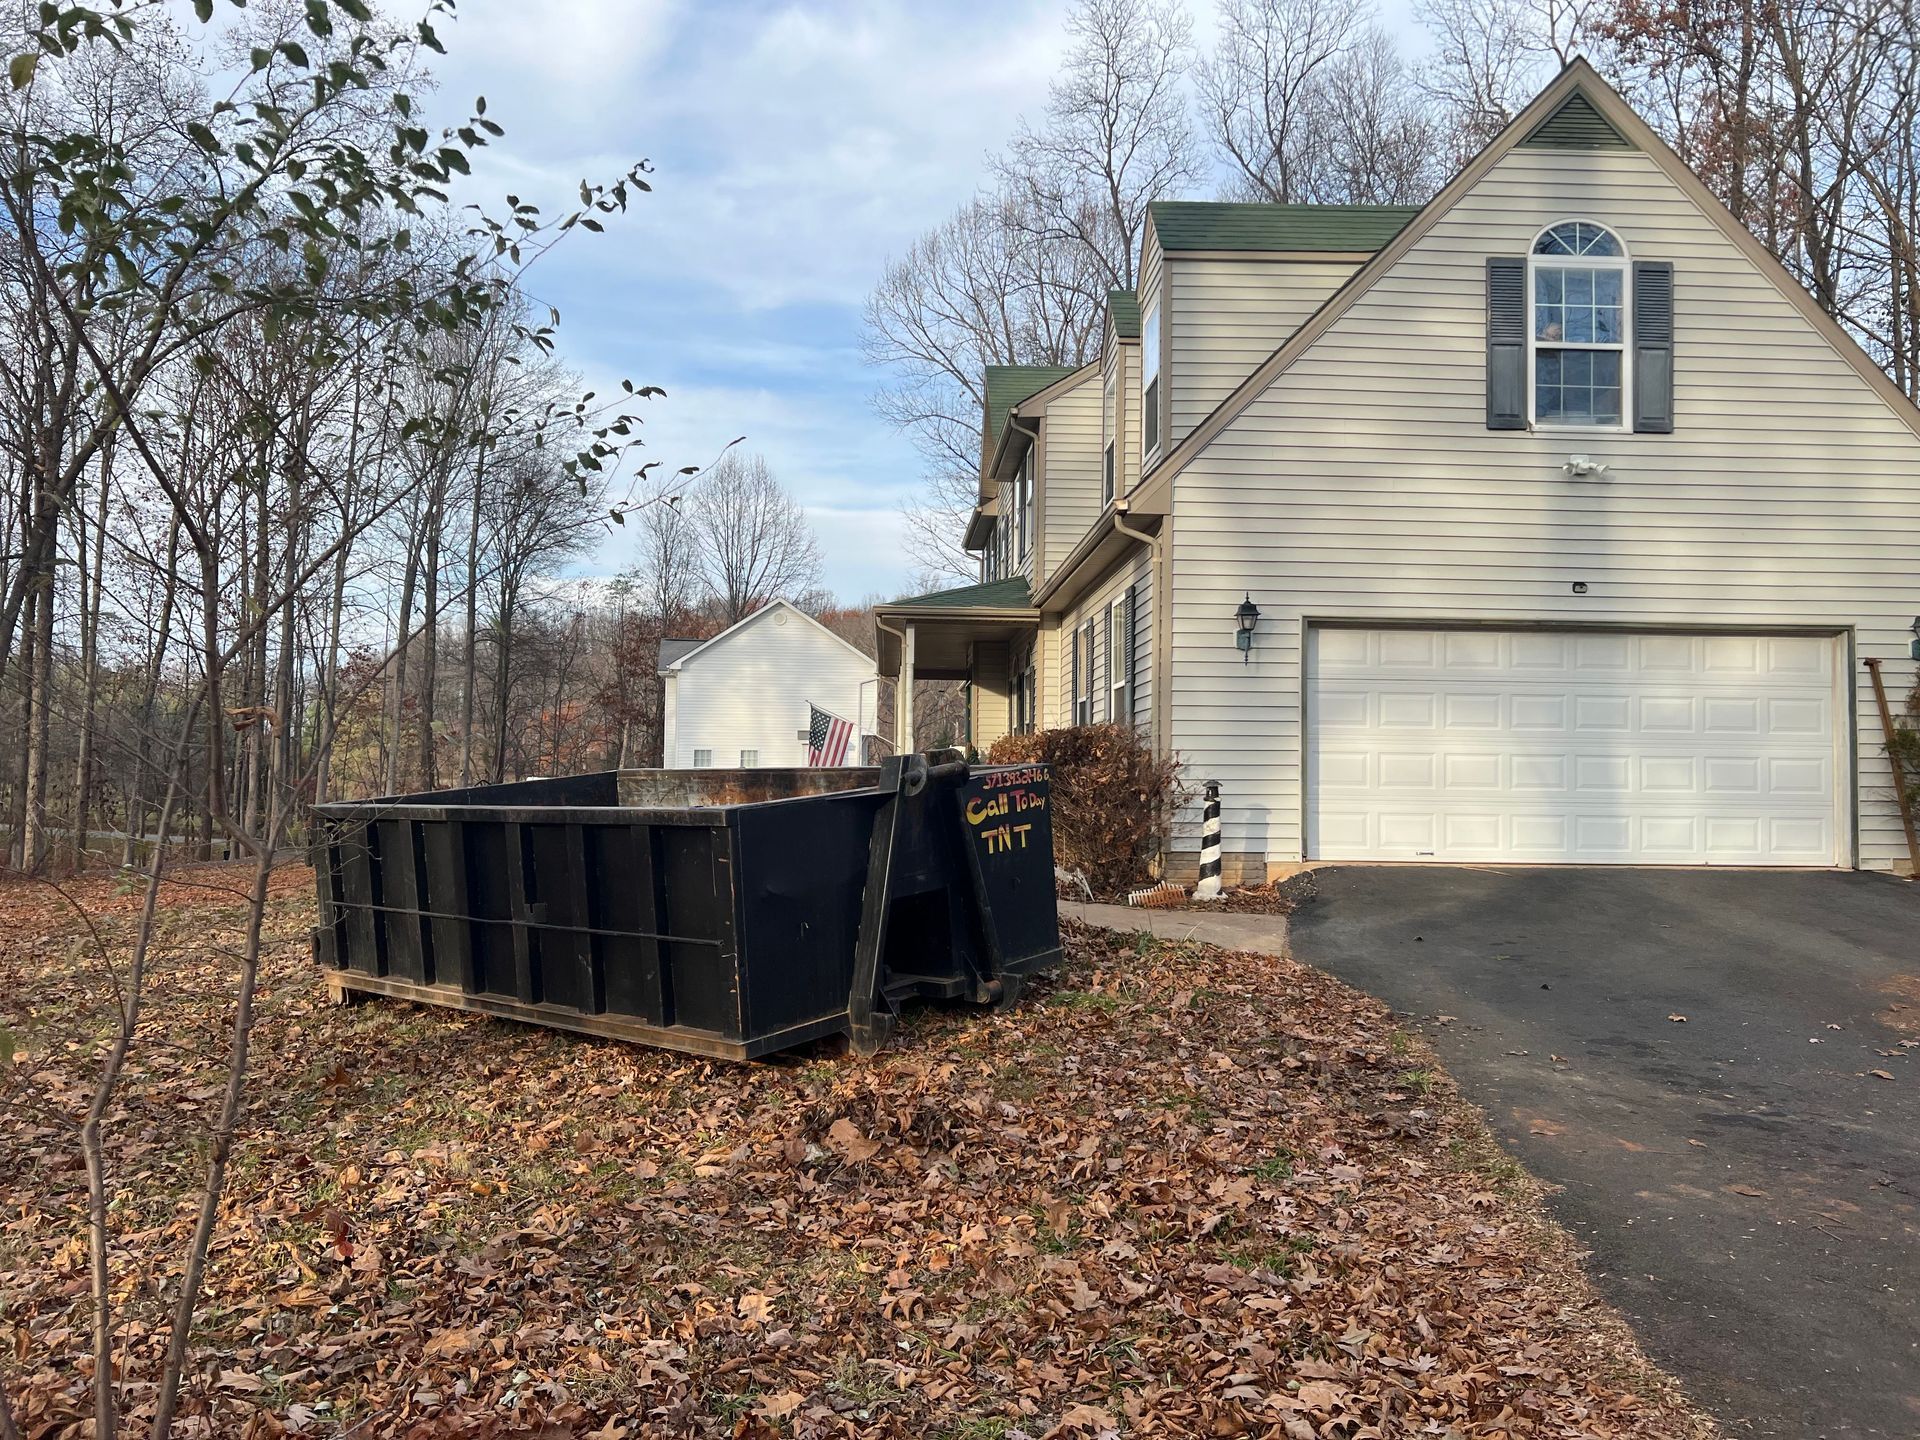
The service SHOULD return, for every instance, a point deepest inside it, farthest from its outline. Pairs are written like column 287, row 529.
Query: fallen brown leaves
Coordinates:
column 1178, row 1192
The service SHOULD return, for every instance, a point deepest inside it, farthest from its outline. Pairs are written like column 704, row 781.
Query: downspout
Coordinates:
column 1152, row 542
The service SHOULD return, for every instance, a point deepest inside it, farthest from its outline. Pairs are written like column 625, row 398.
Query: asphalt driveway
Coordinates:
column 1748, row 1177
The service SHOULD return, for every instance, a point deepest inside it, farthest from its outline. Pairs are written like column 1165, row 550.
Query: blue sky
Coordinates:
column 796, row 146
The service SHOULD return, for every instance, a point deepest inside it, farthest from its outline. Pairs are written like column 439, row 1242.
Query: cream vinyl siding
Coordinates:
column 1363, row 485
column 1129, row 415
column 1071, row 484
column 1135, row 569
column 751, row 689
column 1228, row 316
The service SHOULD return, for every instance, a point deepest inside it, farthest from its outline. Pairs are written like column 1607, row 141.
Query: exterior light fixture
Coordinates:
column 1913, row 646
column 1248, row 615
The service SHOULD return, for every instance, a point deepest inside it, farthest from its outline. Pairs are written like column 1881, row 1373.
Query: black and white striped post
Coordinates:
column 1208, row 887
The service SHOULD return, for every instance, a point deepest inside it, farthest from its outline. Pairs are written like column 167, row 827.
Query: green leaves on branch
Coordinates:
column 187, row 247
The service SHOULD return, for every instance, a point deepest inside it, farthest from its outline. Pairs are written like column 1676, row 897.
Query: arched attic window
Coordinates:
column 1578, row 301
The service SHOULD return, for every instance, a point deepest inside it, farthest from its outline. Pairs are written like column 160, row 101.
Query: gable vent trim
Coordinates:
column 1576, row 125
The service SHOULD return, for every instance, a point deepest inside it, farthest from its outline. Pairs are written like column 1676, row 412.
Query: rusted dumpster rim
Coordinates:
column 537, row 814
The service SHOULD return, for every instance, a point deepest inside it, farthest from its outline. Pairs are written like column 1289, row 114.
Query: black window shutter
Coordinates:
column 1133, row 657
column 1653, row 347
column 1077, row 691
column 1506, row 344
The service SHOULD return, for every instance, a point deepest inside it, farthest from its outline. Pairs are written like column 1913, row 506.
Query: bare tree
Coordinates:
column 1265, row 88
column 1492, row 56
column 1804, row 117
column 754, row 540
column 536, row 518
column 981, row 289
column 666, row 575
column 1020, row 274
column 1375, row 138
column 1115, row 137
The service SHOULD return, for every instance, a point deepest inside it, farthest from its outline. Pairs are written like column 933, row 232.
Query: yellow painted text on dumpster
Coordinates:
column 997, row 832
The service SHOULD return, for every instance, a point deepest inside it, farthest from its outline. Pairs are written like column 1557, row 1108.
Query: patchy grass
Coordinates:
column 1179, row 1191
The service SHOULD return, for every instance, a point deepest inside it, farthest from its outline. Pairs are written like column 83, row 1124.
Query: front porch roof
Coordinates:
column 947, row 622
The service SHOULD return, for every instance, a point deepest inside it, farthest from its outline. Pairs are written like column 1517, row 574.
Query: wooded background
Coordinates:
column 293, row 476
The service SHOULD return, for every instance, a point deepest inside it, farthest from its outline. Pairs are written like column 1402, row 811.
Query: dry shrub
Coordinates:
column 1112, row 797
column 1905, row 743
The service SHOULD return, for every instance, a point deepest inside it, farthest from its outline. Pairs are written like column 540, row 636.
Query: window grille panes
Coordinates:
column 1577, row 386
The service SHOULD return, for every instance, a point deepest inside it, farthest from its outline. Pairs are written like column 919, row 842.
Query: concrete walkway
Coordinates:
column 1263, row 934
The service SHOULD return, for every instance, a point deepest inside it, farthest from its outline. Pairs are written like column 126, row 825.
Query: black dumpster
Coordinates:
column 727, row 913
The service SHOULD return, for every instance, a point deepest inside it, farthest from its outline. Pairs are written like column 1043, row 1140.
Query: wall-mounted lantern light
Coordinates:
column 1913, row 649
column 1248, row 616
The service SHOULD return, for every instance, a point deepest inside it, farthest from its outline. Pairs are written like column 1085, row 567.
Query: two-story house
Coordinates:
column 1567, row 515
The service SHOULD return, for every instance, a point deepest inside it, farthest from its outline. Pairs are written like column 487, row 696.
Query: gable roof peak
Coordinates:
column 1576, row 124
column 1576, row 78
column 779, row 605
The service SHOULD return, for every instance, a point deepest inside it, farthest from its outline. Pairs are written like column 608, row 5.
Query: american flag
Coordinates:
column 827, row 737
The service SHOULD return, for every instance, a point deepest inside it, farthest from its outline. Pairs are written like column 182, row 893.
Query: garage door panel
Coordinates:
column 1579, row 747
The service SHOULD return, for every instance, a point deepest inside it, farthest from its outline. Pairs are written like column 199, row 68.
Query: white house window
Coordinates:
column 1109, row 421
column 1025, row 503
column 1149, row 383
column 1119, row 703
column 1577, row 304
column 749, row 759
column 703, row 759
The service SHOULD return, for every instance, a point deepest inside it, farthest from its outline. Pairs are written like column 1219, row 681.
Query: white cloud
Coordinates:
column 796, row 147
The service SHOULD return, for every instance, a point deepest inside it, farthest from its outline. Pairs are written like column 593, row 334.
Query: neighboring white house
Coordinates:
column 742, row 699
column 1567, row 513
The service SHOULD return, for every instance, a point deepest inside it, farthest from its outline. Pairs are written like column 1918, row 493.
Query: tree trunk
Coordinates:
column 136, row 801
column 469, row 662
column 21, row 674
column 91, row 591
column 429, row 637
column 39, row 761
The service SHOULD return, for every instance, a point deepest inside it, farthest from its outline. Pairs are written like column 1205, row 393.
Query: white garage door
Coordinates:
column 1583, row 747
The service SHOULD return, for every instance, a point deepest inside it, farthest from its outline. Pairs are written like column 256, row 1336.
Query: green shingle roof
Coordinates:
column 1210, row 225
column 1124, row 306
column 1008, row 594
column 1008, row 385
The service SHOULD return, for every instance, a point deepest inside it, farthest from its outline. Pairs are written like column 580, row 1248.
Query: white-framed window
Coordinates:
column 1149, row 385
column 1119, row 700
column 749, row 759
column 1023, row 502
column 703, row 759
column 1083, row 674
column 1110, row 435
column 1578, row 314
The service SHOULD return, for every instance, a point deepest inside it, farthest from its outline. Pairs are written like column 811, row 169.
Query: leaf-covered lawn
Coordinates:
column 1177, row 1191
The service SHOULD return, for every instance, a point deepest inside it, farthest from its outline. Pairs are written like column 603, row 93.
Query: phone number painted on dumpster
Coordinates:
column 996, row 816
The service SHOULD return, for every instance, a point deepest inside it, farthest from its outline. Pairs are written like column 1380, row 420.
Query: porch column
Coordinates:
column 903, row 698
column 987, row 668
